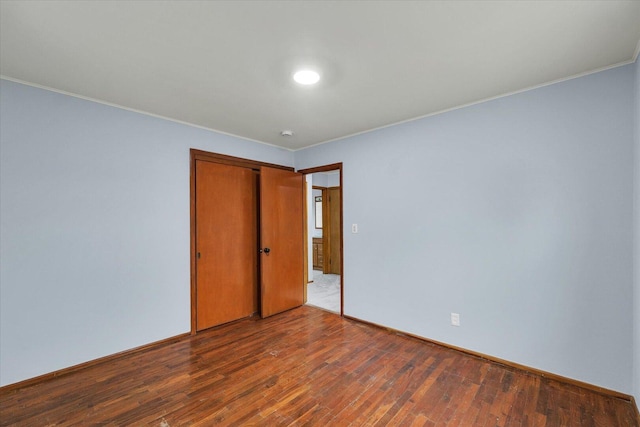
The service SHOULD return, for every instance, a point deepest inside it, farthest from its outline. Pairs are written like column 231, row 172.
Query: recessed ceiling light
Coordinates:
column 306, row 77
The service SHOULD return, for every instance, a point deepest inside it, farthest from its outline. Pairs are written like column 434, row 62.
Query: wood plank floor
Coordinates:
column 306, row 367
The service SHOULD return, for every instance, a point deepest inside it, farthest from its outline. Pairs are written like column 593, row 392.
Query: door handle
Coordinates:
column 267, row 250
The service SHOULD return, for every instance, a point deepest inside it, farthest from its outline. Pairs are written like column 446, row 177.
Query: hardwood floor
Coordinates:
column 306, row 367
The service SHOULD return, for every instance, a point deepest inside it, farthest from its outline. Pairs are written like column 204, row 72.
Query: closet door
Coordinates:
column 226, row 243
column 281, row 240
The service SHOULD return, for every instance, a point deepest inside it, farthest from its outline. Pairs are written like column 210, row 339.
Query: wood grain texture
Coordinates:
column 318, row 253
column 91, row 363
column 226, row 243
column 508, row 363
column 281, row 231
column 305, row 238
column 199, row 155
column 334, row 229
column 306, row 367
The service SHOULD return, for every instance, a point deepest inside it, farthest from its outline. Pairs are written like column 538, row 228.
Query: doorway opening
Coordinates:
column 324, row 237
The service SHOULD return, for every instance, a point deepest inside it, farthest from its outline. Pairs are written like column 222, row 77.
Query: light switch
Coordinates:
column 455, row 319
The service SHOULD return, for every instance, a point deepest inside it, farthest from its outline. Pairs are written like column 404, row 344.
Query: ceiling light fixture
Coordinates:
column 306, row 77
column 286, row 133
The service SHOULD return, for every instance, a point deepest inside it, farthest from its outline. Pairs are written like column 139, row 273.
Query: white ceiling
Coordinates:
column 227, row 65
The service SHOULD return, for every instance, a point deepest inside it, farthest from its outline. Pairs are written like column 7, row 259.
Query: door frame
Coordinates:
column 328, row 168
column 206, row 156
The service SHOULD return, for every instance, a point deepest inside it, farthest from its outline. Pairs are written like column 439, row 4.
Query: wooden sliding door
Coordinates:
column 226, row 243
column 247, row 239
column 281, row 237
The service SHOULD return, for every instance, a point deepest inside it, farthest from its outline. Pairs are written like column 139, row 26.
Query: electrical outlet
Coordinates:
column 455, row 319
column 354, row 228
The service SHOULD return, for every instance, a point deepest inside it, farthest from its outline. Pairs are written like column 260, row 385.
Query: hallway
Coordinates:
column 324, row 291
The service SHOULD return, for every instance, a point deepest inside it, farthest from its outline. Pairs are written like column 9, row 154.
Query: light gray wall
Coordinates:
column 636, row 281
column 94, row 209
column 515, row 213
column 333, row 179
column 320, row 180
column 326, row 179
